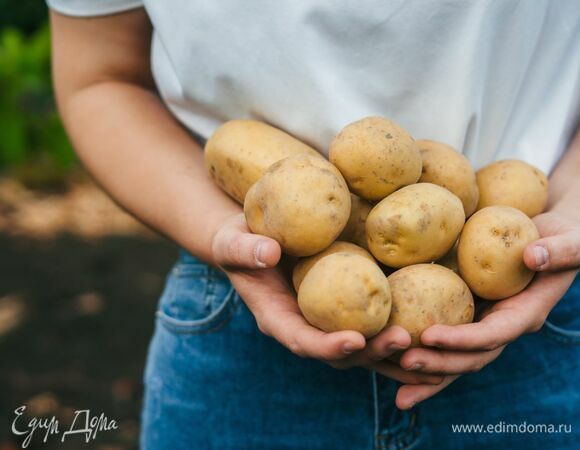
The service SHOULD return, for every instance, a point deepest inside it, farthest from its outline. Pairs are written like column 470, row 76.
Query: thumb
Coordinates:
column 234, row 246
column 559, row 252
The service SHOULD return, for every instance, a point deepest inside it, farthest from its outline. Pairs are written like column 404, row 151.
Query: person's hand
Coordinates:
column 252, row 264
column 468, row 348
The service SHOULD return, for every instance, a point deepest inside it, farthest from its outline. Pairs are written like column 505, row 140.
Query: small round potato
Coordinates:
column 416, row 224
column 355, row 227
column 513, row 183
column 428, row 294
column 490, row 252
column 302, row 202
column 345, row 291
column 305, row 264
column 446, row 167
column 376, row 157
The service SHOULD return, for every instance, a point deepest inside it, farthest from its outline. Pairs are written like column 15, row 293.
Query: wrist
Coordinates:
column 201, row 244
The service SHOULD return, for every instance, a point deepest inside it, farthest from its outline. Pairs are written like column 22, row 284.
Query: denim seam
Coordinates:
column 561, row 334
column 376, row 408
column 210, row 291
column 209, row 323
column 404, row 442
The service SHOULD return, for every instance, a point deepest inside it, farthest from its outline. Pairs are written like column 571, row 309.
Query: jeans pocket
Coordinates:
column 561, row 334
column 197, row 298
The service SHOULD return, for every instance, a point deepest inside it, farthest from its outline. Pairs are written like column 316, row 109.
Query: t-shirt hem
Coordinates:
column 94, row 11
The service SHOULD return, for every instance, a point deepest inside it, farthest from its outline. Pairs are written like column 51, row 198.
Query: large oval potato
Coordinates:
column 239, row 151
column 345, row 291
column 490, row 252
column 302, row 202
column 428, row 294
column 513, row 183
column 354, row 231
column 446, row 167
column 305, row 264
column 376, row 157
column 416, row 224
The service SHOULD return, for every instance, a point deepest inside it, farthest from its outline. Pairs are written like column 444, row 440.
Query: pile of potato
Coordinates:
column 389, row 230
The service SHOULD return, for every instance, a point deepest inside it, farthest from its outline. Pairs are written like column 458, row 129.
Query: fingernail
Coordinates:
column 258, row 254
column 348, row 347
column 397, row 347
column 415, row 366
column 541, row 255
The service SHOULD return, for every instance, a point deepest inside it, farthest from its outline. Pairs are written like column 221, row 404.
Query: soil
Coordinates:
column 79, row 282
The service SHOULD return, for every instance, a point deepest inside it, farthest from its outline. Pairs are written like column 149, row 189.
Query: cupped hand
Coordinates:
column 252, row 263
column 468, row 348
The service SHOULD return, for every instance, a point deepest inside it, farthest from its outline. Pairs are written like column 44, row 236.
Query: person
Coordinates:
column 233, row 365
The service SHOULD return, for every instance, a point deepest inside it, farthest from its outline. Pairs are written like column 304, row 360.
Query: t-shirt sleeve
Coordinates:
column 88, row 8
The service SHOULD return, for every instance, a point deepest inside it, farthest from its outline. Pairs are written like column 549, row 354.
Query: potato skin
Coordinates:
column 490, row 252
column 354, row 231
column 239, row 151
column 416, row 224
column 428, row 294
column 446, row 167
column 376, row 157
column 302, row 202
column 513, row 183
column 305, row 264
column 345, row 291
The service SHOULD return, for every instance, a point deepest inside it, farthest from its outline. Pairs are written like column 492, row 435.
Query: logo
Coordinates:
column 83, row 423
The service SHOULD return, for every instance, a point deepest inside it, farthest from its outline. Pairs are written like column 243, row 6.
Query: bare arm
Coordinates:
column 125, row 136
column 565, row 183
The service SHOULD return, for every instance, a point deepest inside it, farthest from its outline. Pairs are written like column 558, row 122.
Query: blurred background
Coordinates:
column 79, row 278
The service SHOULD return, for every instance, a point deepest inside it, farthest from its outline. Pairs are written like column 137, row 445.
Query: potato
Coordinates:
column 446, row 167
column 345, row 291
column 513, row 183
column 490, row 252
column 418, row 223
column 428, row 294
column 302, row 202
column 305, row 264
column 376, row 157
column 239, row 151
column 355, row 227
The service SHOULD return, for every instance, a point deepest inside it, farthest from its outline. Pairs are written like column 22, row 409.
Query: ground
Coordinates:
column 79, row 282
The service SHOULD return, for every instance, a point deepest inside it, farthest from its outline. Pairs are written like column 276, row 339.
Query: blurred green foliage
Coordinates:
column 30, row 129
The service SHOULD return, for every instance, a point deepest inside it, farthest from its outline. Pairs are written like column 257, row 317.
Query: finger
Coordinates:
column 409, row 395
column 394, row 372
column 492, row 332
column 387, row 342
column 268, row 297
column 234, row 246
column 291, row 330
column 559, row 252
column 445, row 362
column 508, row 319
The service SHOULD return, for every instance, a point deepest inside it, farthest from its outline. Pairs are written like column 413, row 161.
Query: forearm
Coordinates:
column 148, row 163
column 565, row 183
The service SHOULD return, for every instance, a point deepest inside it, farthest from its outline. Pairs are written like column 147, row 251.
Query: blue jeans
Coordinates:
column 213, row 381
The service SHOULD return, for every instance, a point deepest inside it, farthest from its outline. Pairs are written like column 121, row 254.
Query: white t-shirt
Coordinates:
column 495, row 79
